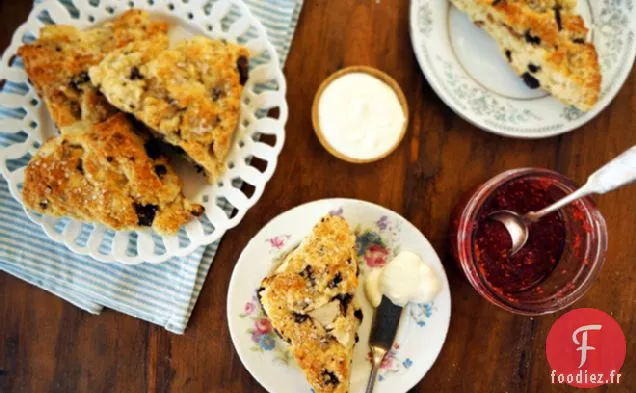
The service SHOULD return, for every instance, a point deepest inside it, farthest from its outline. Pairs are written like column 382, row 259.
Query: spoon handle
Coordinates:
column 616, row 173
column 619, row 172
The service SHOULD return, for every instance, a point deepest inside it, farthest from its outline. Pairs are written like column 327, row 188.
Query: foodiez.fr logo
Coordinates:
column 586, row 348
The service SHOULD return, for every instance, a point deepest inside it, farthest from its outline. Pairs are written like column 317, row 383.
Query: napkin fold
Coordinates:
column 163, row 294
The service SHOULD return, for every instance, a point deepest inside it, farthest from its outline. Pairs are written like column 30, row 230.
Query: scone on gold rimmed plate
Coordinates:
column 66, row 89
column 525, row 68
column 360, row 114
column 300, row 237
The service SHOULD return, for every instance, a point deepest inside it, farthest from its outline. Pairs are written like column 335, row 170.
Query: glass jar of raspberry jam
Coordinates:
column 562, row 258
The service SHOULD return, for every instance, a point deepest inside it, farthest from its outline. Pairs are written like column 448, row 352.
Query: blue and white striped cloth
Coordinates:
column 163, row 294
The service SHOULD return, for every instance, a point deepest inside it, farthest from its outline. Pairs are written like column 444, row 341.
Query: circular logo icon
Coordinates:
column 586, row 348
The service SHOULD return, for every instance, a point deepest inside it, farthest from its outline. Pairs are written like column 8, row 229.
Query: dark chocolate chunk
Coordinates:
column 80, row 167
column 496, row 2
column 199, row 168
column 153, row 149
column 135, row 74
column 357, row 338
column 160, row 170
column 329, row 378
column 533, row 68
column 145, row 214
column 531, row 81
column 308, row 274
column 534, row 40
column 580, row 41
column 337, row 279
column 79, row 80
column 344, row 299
column 243, row 68
column 358, row 314
column 44, row 204
column 300, row 318
column 109, row 159
column 216, row 93
column 557, row 15
column 509, row 56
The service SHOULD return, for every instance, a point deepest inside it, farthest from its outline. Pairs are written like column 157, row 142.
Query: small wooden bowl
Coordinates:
column 377, row 74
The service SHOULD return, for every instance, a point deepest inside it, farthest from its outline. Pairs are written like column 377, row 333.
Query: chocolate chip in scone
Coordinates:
column 557, row 15
column 197, row 210
column 135, row 74
column 344, row 299
column 216, row 94
column 509, row 56
column 243, row 68
column 259, row 297
column 199, row 168
column 531, row 81
column 357, row 338
column 580, row 41
column 109, row 159
column 337, row 279
column 534, row 40
column 44, row 204
column 308, row 274
column 145, row 214
column 79, row 80
column 153, row 149
column 80, row 167
column 329, row 378
column 496, row 2
column 300, row 318
column 534, row 68
column 358, row 314
column 160, row 170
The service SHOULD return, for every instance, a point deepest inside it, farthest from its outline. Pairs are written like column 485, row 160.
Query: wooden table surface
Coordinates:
column 48, row 345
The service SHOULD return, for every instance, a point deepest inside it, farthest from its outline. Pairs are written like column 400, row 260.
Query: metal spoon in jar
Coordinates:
column 617, row 173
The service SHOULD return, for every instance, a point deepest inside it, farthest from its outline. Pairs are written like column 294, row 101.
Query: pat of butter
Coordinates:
column 404, row 279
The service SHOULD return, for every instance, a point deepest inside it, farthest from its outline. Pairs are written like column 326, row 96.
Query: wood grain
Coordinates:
column 48, row 345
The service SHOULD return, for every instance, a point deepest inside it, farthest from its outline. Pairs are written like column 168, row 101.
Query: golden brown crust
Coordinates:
column 310, row 301
column 190, row 95
column 58, row 62
column 545, row 42
column 103, row 173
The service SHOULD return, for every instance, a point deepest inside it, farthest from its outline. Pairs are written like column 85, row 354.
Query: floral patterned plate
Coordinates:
column 465, row 68
column 380, row 234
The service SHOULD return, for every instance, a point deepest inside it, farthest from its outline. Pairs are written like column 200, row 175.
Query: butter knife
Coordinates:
column 385, row 326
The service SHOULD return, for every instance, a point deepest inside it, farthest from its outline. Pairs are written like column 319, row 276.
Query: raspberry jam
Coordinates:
column 492, row 243
column 564, row 253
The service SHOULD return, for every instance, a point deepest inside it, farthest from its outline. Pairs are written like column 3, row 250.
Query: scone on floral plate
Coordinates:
column 525, row 68
column 297, row 312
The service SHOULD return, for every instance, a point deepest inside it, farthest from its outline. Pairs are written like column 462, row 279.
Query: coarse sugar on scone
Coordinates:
column 189, row 95
column 110, row 174
column 57, row 63
column 545, row 42
column 310, row 300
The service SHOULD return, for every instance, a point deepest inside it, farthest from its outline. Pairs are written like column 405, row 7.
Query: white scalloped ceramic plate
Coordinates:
column 380, row 233
column 265, row 89
column 465, row 68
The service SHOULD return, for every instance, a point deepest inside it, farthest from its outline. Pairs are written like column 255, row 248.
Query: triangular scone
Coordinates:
column 189, row 95
column 545, row 42
column 107, row 173
column 57, row 63
column 309, row 299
